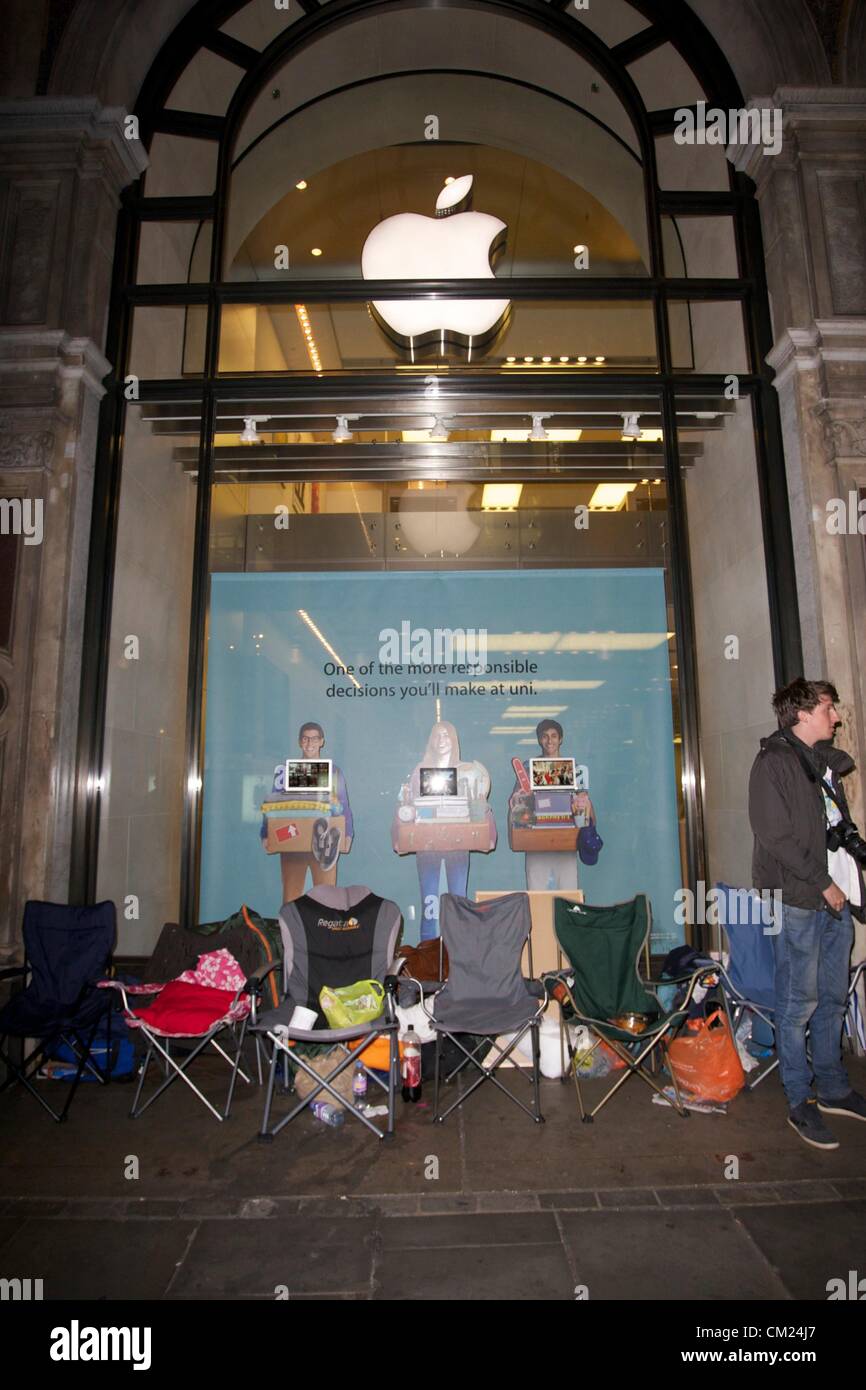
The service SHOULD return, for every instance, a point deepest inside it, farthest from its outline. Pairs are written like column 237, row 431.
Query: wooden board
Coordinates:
column 545, row 951
column 279, row 842
column 543, row 841
column 442, row 836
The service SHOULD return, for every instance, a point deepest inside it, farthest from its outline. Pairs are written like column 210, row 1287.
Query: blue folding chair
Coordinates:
column 746, row 925
column 67, row 950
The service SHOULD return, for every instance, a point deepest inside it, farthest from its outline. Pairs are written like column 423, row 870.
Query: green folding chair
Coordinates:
column 604, row 946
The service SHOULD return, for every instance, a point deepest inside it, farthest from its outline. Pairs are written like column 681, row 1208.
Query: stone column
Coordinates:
column 63, row 163
column 812, row 197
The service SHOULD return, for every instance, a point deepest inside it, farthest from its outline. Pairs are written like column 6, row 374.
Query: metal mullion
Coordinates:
column 178, row 293
column 105, row 507
column 523, row 289
column 182, row 209
column 312, row 385
column 194, row 762
column 684, row 626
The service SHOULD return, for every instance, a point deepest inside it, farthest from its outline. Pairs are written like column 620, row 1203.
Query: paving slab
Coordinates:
column 97, row 1259
column 252, row 1259
column 477, row 1228
column 671, row 1255
column 809, row 1245
column 476, row 1273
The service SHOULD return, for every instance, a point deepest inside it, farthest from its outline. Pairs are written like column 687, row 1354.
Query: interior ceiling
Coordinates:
column 547, row 215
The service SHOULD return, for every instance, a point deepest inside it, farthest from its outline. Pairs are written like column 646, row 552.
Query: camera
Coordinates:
column 845, row 835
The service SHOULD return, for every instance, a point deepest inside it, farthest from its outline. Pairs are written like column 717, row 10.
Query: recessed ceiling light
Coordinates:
column 599, row 359
column 563, row 359
column 317, row 251
column 529, row 359
column 547, row 359
column 302, row 183
column 511, row 359
column 581, row 359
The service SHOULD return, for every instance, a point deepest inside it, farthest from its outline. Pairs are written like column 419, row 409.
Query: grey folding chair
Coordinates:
column 486, row 995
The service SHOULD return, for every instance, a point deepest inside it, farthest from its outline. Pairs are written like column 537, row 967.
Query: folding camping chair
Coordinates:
column 199, row 1006
column 746, row 930
column 366, row 928
column 485, row 994
column 603, row 946
column 854, row 1027
column 66, row 952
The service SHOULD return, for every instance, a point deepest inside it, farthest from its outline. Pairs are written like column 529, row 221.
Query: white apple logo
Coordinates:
column 453, row 245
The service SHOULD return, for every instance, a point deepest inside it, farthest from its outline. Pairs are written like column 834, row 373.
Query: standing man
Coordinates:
column 293, row 867
column 795, row 797
column 546, row 869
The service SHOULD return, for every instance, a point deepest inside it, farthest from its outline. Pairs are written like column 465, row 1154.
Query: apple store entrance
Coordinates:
column 435, row 356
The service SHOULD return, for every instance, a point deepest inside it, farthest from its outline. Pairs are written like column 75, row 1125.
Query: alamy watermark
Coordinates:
column 22, row 516
column 720, row 907
column 420, row 647
column 754, row 125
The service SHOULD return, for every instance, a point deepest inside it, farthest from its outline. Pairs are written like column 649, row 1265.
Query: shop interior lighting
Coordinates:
column 538, row 434
column 317, row 632
column 631, row 426
column 301, row 184
column 501, row 497
column 342, row 434
column 309, row 340
column 438, row 432
column 610, row 497
column 316, row 251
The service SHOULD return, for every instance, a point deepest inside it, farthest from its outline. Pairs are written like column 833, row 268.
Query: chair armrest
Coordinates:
column 396, row 965
column 255, row 982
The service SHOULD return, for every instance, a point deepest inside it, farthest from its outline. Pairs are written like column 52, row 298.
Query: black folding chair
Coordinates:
column 335, row 937
column 66, row 952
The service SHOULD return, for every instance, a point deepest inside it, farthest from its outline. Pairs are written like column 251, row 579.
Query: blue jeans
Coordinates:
column 429, row 864
column 812, row 951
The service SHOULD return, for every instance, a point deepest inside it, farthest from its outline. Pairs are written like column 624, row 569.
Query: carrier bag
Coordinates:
column 349, row 1005
column 705, row 1061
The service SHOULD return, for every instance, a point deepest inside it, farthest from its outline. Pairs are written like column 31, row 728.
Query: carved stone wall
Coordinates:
column 62, row 165
column 813, row 208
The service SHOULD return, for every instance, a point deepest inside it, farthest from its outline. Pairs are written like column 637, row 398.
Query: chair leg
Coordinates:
column 141, row 1076
column 264, row 1133
column 393, row 1070
column 536, row 1068
column 436, row 1076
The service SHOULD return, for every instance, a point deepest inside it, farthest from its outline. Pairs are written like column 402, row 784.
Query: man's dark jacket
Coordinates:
column 786, row 811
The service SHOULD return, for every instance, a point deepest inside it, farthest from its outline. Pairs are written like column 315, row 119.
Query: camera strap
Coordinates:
column 820, row 783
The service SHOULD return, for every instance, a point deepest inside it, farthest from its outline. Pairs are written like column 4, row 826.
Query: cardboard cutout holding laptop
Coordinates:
column 307, row 818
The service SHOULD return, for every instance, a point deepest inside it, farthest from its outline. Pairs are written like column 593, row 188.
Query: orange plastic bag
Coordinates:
column 705, row 1060
column 377, row 1054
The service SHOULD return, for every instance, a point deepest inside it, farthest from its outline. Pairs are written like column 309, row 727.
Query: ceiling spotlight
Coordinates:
column 438, row 431
column 563, row 359
column 599, row 359
column 511, row 359
column 631, row 426
column 302, row 183
column 316, row 251
column 547, row 359
column 581, row 359
column 250, row 434
column 529, row 359
column 342, row 434
column 538, row 433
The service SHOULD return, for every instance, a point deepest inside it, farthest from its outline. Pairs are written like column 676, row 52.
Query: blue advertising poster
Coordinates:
column 406, row 699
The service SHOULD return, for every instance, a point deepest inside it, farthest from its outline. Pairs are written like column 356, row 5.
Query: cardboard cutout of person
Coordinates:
column 323, row 859
column 443, row 750
column 552, row 869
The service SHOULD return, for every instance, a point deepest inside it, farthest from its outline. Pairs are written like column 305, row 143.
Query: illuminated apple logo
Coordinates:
column 454, row 245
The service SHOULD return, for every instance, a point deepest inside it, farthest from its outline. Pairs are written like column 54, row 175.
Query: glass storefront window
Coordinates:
column 330, row 601
column 174, row 253
column 168, row 340
column 143, row 773
column 534, row 335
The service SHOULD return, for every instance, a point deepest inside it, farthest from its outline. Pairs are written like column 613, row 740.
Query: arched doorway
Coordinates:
column 631, row 359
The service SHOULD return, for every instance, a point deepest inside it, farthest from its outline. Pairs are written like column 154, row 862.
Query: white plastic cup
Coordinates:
column 303, row 1018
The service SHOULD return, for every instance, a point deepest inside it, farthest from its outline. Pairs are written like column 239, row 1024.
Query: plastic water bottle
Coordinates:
column 359, row 1085
column 411, row 1066
column 327, row 1113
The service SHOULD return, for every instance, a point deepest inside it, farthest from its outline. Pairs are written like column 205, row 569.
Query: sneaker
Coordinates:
column 806, row 1121
column 852, row 1105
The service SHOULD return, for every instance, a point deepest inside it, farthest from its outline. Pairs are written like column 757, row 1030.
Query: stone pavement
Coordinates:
column 635, row 1206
